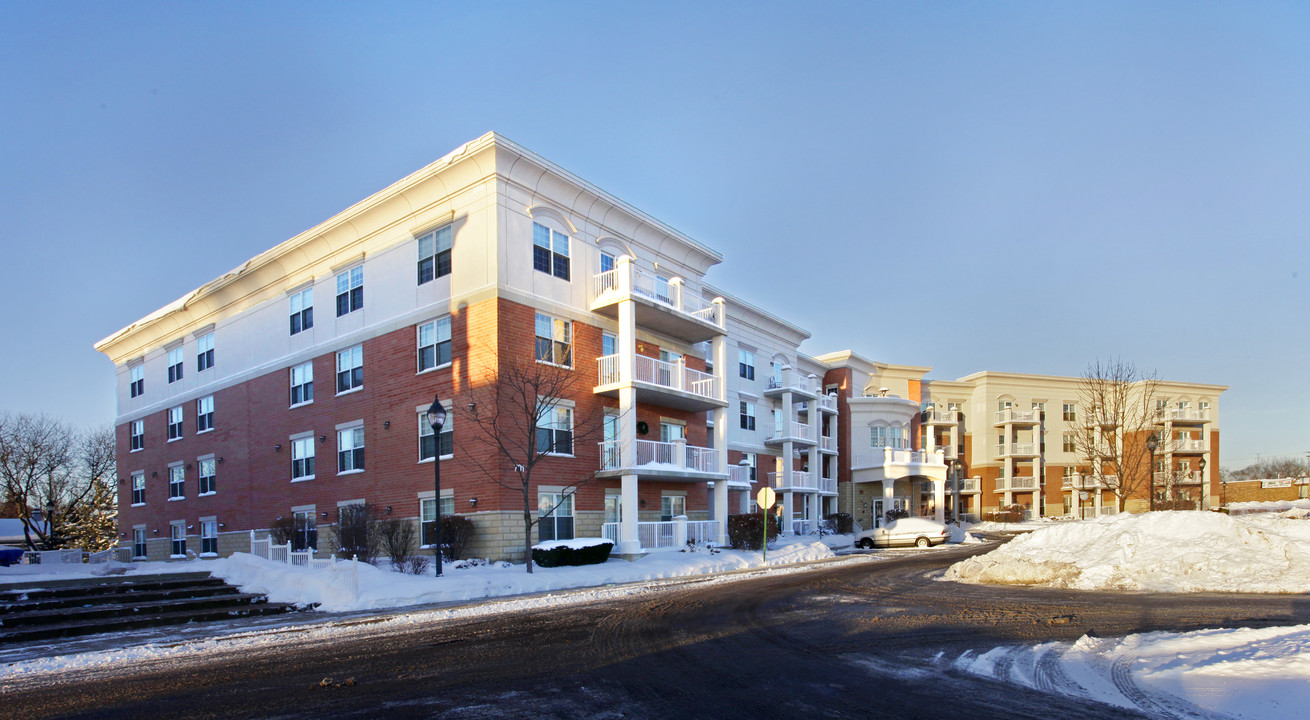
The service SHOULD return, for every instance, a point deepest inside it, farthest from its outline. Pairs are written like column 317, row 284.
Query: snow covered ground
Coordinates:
column 1236, row 672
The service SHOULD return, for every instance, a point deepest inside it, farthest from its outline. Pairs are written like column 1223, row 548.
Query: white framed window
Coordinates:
column 208, row 475
column 175, row 423
column 751, row 460
column 175, row 359
column 746, row 364
column 555, row 431
column 302, row 458
column 434, row 344
column 429, row 443
column 139, row 488
column 747, row 412
column 554, row 340
column 672, row 506
column 550, row 251
column 879, row 436
column 350, row 450
column 350, row 291
column 1070, row 442
column 434, row 254
column 176, row 482
column 178, row 532
column 302, row 310
column 428, row 518
column 304, row 534
column 613, row 507
column 209, row 538
column 555, row 510
column 672, row 431
column 205, row 414
column 137, row 380
column 204, row 352
column 350, row 369
column 606, row 261
column 302, row 384
column 138, row 542
column 137, row 435
column 1070, row 412
column 609, row 344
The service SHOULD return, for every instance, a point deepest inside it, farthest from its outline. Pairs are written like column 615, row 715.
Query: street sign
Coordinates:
column 766, row 497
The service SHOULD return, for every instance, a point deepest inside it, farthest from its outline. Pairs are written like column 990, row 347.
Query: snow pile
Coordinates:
column 1023, row 526
column 1156, row 552
column 1243, row 673
column 1268, row 506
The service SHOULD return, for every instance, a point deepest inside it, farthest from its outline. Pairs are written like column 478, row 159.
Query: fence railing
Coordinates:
column 672, row 374
column 264, row 547
column 666, row 534
column 653, row 452
column 828, row 402
column 1015, row 415
column 793, row 429
column 668, row 292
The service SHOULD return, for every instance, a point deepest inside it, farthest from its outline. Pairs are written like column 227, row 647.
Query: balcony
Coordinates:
column 803, row 481
column 663, row 461
column 661, row 305
column 663, row 383
column 794, row 431
column 827, row 403
column 942, row 417
column 1017, row 450
column 1186, row 446
column 739, row 477
column 1018, row 483
column 967, row 485
column 1090, row 482
column 895, row 463
column 1015, row 416
column 1183, row 415
column 1188, row 477
column 794, row 383
column 827, row 444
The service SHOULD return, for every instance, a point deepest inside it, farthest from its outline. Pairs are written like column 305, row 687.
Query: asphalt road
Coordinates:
column 854, row 640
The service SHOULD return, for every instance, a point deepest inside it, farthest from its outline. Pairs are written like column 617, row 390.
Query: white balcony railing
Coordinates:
column 795, row 382
column 664, row 373
column 966, row 485
column 800, row 480
column 1191, row 477
column 943, row 417
column 671, row 454
column 1015, row 415
column 739, row 475
column 1017, row 483
column 793, row 429
column 1183, row 414
column 1182, row 445
column 899, row 456
column 656, row 535
column 1090, row 482
column 828, row 402
column 827, row 443
column 668, row 292
column 1016, row 449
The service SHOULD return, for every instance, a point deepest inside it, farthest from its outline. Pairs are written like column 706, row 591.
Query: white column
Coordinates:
column 939, row 500
column 788, row 449
column 815, row 514
column 719, row 356
column 888, row 491
column 629, row 541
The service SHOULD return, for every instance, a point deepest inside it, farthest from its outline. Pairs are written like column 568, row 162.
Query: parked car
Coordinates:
column 919, row 532
column 10, row 555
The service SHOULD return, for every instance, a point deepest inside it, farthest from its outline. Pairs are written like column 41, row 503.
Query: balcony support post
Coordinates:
column 719, row 357
column 629, row 540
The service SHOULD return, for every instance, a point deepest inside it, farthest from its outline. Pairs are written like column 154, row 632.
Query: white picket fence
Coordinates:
column 75, row 556
column 264, row 547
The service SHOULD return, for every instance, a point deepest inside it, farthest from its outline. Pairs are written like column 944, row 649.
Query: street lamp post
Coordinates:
column 50, row 524
column 1151, row 445
column 958, row 466
column 1204, row 485
column 436, row 418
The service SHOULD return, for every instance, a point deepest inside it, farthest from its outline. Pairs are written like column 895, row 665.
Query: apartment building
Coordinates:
column 295, row 386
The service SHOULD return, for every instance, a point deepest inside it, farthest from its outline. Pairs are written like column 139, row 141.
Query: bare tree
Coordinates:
column 1269, row 468
column 90, row 518
column 516, row 411
column 36, row 467
column 1116, row 414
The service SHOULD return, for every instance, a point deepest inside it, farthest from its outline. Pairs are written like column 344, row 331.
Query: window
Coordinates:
column 175, row 364
column 556, row 513
column 176, row 482
column 746, row 364
column 139, row 488
column 208, row 537
column 1069, row 444
column 179, row 539
column 878, row 436
column 205, row 414
column 175, row 423
column 302, row 310
column 302, row 459
column 550, row 251
column 554, row 343
column 304, row 531
column 672, row 506
column 606, row 262
column 350, row 450
column 1070, row 412
column 898, row 437
column 434, row 344
column 609, row 344
column 208, row 476
column 138, row 542
column 137, row 431
column 747, row 415
column 613, row 508
column 350, row 291
column 555, row 431
column 205, row 352
column 428, row 444
column 302, row 384
column 672, row 432
column 137, row 383
column 428, row 518
column 434, row 255
column 350, row 369
column 750, row 459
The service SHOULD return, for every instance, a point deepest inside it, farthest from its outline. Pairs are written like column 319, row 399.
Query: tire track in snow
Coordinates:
column 1159, row 705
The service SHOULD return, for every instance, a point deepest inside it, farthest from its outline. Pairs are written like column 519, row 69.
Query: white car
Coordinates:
column 919, row 532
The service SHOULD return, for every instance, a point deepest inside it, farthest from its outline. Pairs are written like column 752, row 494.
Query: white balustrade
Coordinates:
column 1015, row 415
column 659, row 535
column 653, row 452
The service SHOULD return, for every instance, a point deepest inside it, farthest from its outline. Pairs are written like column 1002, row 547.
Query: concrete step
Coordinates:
column 53, row 600
column 97, row 626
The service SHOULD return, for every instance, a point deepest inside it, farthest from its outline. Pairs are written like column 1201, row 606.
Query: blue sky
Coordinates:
column 1007, row 186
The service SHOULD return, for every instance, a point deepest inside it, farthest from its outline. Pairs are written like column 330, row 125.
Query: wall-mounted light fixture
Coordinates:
column 473, row 502
column 222, row 525
column 277, row 448
column 220, row 459
column 388, row 509
column 386, row 424
column 154, row 474
column 188, row 466
column 190, row 527
column 156, row 531
column 473, row 407
column 322, row 438
column 325, row 514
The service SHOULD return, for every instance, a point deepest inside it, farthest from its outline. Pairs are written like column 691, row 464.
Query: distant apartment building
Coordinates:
column 296, row 385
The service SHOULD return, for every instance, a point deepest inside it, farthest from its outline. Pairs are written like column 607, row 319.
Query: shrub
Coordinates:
column 396, row 536
column 415, row 564
column 1013, row 513
column 456, row 534
column 550, row 554
column 282, row 529
column 356, row 532
column 841, row 523
column 896, row 514
column 744, row 531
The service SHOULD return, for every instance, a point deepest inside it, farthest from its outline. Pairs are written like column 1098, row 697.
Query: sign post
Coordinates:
column 765, row 499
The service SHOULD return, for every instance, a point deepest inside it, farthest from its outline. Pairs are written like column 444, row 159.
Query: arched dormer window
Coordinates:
column 551, row 242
